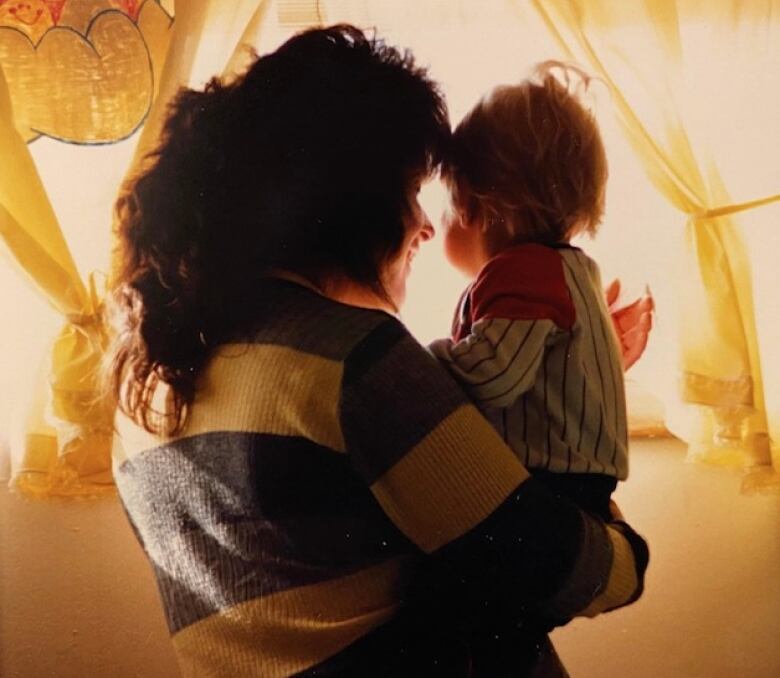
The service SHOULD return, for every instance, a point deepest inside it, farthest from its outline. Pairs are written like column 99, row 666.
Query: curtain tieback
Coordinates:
column 90, row 319
column 725, row 210
column 85, row 320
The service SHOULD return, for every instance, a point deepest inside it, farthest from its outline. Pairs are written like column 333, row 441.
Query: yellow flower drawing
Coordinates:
column 82, row 71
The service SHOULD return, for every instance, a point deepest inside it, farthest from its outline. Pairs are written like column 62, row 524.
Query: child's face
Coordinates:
column 464, row 243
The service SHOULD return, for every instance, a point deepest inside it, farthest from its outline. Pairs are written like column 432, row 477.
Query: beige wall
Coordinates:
column 77, row 598
column 711, row 608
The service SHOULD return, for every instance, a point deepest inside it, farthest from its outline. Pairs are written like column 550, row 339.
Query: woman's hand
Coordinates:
column 632, row 322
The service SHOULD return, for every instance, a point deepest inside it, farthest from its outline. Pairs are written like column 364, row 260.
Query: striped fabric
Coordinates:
column 319, row 465
column 535, row 348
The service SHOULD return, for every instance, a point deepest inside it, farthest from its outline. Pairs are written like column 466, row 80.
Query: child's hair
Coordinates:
column 527, row 163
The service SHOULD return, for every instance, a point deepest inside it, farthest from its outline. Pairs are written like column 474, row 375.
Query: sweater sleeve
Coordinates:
column 447, row 480
column 498, row 361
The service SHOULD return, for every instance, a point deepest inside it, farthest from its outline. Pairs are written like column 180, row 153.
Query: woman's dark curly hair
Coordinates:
column 303, row 163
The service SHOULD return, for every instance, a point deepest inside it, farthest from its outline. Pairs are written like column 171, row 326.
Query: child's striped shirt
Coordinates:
column 534, row 346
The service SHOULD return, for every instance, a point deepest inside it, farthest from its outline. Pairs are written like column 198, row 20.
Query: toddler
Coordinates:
column 532, row 339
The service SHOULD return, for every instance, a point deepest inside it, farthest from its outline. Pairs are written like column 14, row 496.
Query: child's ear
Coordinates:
column 488, row 222
column 473, row 222
column 464, row 221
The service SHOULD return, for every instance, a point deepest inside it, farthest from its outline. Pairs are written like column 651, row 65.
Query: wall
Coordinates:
column 77, row 599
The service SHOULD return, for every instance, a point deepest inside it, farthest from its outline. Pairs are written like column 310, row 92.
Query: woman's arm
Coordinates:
column 447, row 480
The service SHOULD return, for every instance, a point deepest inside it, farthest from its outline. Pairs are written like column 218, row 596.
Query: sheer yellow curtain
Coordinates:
column 30, row 230
column 101, row 98
column 66, row 448
column 652, row 54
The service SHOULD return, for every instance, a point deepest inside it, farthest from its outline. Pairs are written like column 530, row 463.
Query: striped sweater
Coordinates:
column 323, row 466
column 533, row 344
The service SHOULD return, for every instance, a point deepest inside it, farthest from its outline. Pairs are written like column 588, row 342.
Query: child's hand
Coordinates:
column 632, row 322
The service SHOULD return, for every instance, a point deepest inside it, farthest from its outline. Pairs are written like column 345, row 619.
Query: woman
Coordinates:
column 315, row 494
